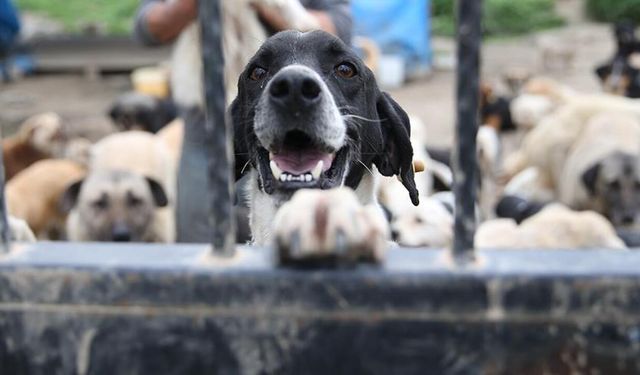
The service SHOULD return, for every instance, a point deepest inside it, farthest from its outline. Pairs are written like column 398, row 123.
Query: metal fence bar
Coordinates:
column 219, row 132
column 464, row 156
column 4, row 222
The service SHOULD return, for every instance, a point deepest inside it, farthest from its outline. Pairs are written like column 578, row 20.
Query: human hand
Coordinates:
column 188, row 8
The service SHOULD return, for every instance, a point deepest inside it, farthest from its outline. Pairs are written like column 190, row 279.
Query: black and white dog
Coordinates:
column 309, row 115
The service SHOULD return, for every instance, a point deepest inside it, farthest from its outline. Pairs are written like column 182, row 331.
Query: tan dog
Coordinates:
column 538, row 98
column 172, row 136
column 116, row 205
column 139, row 152
column 39, row 137
column 547, row 146
column 555, row 227
column 34, row 195
column 147, row 156
column 602, row 171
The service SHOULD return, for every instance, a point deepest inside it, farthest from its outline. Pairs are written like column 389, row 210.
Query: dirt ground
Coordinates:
column 83, row 102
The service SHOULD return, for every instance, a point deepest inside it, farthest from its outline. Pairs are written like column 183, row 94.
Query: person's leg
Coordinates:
column 192, row 206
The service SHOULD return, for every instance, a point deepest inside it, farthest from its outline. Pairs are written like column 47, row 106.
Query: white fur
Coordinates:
column 243, row 34
column 555, row 227
column 364, row 230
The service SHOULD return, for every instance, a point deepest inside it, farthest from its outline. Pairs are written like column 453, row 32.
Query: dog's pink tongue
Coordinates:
column 299, row 162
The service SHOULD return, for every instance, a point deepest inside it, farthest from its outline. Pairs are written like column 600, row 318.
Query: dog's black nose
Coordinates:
column 628, row 218
column 293, row 89
column 120, row 233
column 395, row 234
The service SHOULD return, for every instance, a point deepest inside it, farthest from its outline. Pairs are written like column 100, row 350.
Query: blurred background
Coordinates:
column 74, row 57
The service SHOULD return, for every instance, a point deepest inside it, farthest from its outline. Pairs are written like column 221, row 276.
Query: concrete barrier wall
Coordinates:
column 144, row 309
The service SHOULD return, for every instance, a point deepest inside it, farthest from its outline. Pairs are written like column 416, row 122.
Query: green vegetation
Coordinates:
column 500, row 17
column 605, row 11
column 116, row 16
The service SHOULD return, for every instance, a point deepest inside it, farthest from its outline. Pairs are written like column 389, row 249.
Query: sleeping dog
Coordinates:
column 309, row 115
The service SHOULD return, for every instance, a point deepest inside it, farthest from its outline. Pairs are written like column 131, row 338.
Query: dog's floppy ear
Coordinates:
column 157, row 191
column 590, row 178
column 70, row 196
column 397, row 154
column 240, row 150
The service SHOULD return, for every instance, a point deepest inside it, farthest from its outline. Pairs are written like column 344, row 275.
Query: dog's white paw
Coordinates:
column 332, row 225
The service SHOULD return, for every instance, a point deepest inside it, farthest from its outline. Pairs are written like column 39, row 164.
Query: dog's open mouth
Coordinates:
column 300, row 162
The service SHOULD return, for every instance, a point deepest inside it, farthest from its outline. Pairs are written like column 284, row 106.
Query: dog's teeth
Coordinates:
column 289, row 177
column 308, row 177
column 317, row 170
column 283, row 177
column 275, row 170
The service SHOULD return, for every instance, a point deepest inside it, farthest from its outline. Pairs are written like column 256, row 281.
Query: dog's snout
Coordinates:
column 295, row 88
column 628, row 218
column 395, row 234
column 120, row 233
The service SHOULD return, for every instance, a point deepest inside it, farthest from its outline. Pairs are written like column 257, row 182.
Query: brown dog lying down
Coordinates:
column 555, row 227
column 39, row 137
column 34, row 195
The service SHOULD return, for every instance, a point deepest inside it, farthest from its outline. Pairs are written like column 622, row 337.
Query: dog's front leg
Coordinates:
column 330, row 225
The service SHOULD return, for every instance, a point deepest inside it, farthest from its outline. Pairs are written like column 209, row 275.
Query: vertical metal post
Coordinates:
column 219, row 132
column 4, row 222
column 464, row 156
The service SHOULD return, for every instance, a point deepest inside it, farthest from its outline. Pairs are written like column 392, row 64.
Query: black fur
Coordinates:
column 382, row 140
column 145, row 112
column 590, row 178
column 516, row 208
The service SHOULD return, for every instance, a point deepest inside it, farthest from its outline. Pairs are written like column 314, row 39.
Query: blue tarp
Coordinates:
column 400, row 27
column 9, row 25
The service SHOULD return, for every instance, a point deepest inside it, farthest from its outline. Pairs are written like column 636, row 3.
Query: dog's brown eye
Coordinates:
column 258, row 73
column 346, row 70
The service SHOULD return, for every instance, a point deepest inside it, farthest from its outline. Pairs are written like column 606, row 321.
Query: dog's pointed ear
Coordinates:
column 590, row 178
column 157, row 192
column 70, row 197
column 397, row 154
column 240, row 150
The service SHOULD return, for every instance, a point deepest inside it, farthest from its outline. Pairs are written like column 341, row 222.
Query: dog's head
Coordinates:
column 135, row 111
column 309, row 114
column 615, row 182
column 625, row 33
column 45, row 132
column 114, row 205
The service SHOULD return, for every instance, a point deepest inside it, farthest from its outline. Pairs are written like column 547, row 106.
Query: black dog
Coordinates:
column 309, row 115
column 617, row 75
column 136, row 111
